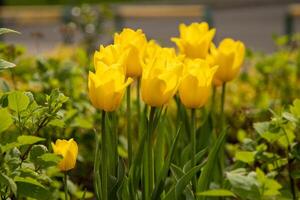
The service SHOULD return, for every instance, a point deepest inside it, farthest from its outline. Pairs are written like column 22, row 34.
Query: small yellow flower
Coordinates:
column 107, row 85
column 134, row 42
column 161, row 77
column 229, row 56
column 194, row 40
column 195, row 86
column 68, row 149
column 110, row 55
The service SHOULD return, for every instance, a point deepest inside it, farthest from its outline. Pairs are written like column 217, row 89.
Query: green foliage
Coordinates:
column 5, row 119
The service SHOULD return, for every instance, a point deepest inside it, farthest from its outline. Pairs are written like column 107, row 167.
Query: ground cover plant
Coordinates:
column 136, row 120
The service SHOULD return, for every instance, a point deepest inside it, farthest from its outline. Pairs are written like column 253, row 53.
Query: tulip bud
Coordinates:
column 134, row 42
column 194, row 40
column 195, row 86
column 161, row 77
column 229, row 56
column 68, row 149
column 107, row 85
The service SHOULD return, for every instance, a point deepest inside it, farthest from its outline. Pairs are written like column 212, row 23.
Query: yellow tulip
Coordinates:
column 229, row 56
column 107, row 85
column 194, row 40
column 134, row 42
column 110, row 55
column 150, row 50
column 195, row 85
column 161, row 77
column 68, row 149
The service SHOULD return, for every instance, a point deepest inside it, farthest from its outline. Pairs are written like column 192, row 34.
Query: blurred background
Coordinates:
column 45, row 24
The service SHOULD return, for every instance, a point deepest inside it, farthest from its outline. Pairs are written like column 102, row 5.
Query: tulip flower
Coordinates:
column 107, row 85
column 229, row 56
column 150, row 50
column 195, row 86
column 110, row 55
column 161, row 77
column 194, row 40
column 134, row 42
column 68, row 149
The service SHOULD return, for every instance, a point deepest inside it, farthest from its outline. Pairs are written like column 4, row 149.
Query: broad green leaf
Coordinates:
column 7, row 30
column 82, row 123
column 244, row 185
column 28, row 139
column 217, row 193
column 18, row 101
column 207, row 172
column 267, row 131
column 269, row 186
column 6, row 65
column 36, row 151
column 29, row 187
column 295, row 108
column 48, row 159
column 57, row 122
column 5, row 119
column 21, row 140
column 245, row 156
column 287, row 138
column 8, row 182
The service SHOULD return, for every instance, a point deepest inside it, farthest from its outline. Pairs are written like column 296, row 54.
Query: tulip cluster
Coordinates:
column 191, row 72
column 197, row 66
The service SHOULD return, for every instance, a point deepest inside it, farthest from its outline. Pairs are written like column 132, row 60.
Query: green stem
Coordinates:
column 65, row 185
column 193, row 139
column 222, row 117
column 213, row 100
column 129, row 135
column 148, row 159
column 223, row 94
column 103, row 156
column 292, row 182
column 96, row 169
column 138, row 105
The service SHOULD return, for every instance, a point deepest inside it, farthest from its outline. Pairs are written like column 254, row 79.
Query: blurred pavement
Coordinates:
column 254, row 25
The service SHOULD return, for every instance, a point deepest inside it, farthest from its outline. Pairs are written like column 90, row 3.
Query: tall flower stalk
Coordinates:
column 104, row 174
column 129, row 133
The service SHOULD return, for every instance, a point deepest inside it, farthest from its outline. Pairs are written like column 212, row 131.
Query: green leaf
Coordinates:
column 48, row 160
column 29, row 187
column 199, row 156
column 270, row 186
column 295, row 108
column 8, row 182
column 245, row 156
column 217, row 193
column 21, row 140
column 181, row 184
column 164, row 172
column 6, row 65
column 28, row 139
column 57, row 122
column 36, row 151
column 267, row 131
column 5, row 119
column 207, row 172
column 244, row 185
column 7, row 30
column 18, row 101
